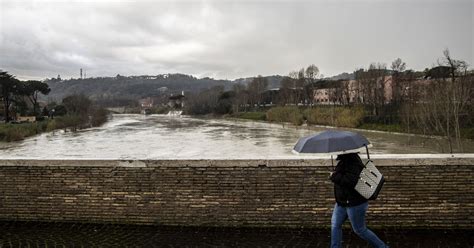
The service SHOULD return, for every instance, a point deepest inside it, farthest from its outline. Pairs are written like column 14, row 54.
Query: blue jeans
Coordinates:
column 356, row 215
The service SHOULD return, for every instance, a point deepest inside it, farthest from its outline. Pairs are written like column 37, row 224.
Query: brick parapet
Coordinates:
column 420, row 192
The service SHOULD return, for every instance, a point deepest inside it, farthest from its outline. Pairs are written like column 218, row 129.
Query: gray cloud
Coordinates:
column 227, row 39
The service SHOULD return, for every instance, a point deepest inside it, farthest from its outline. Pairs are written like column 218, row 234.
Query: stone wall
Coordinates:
column 428, row 193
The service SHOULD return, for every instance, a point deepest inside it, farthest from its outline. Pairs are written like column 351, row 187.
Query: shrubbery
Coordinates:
column 289, row 114
column 14, row 132
column 324, row 115
column 335, row 116
column 160, row 110
column 98, row 117
column 75, row 113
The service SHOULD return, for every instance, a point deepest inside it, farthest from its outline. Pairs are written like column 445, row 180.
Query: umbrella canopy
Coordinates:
column 331, row 141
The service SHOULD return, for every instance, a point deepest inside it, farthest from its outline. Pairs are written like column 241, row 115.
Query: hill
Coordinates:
column 133, row 87
column 137, row 87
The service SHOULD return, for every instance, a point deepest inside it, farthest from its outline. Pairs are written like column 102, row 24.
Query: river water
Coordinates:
column 182, row 137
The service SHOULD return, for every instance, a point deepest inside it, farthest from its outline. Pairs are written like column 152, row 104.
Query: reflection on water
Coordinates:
column 168, row 137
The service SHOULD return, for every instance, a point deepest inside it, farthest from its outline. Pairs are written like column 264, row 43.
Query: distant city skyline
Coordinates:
column 228, row 39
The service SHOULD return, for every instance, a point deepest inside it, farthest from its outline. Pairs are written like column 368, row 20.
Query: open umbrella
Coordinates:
column 332, row 142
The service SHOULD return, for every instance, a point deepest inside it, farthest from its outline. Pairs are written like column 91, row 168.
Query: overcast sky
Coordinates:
column 227, row 39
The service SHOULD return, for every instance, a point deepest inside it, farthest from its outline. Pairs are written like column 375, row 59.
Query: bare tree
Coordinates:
column 298, row 81
column 287, row 95
column 409, row 93
column 398, row 66
column 371, row 84
column 345, row 92
column 255, row 89
column 459, row 91
column 446, row 99
column 241, row 97
column 311, row 76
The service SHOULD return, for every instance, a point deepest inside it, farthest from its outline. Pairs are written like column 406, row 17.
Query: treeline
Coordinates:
column 436, row 101
column 20, row 99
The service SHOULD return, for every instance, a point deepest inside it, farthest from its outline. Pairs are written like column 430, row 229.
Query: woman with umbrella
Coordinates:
column 349, row 203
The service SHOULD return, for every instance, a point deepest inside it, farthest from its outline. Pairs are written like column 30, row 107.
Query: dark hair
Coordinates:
column 348, row 157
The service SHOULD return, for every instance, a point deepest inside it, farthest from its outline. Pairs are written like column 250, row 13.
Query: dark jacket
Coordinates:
column 345, row 178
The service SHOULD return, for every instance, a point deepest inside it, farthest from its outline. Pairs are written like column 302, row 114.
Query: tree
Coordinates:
column 77, row 104
column 255, row 88
column 241, row 97
column 298, row 80
column 459, row 91
column 371, row 84
column 286, row 91
column 398, row 65
column 446, row 99
column 31, row 89
column 311, row 76
column 410, row 92
column 204, row 102
column 8, row 88
column 224, row 105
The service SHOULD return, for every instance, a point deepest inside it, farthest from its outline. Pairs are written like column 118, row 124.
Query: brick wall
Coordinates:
column 432, row 193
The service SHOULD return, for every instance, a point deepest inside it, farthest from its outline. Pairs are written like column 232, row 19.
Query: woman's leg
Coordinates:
column 357, row 218
column 339, row 215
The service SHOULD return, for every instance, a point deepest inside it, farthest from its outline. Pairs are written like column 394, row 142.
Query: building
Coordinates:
column 146, row 102
column 355, row 91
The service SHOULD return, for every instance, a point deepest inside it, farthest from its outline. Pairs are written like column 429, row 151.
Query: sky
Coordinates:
column 228, row 39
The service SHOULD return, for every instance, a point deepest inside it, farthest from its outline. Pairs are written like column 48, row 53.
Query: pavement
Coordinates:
column 47, row 234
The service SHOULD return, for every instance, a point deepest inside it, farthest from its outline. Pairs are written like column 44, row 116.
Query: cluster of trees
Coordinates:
column 442, row 105
column 76, row 112
column 19, row 94
column 434, row 101
column 22, row 97
column 242, row 98
column 296, row 88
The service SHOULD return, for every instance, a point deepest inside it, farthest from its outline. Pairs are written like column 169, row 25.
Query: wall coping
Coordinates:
column 284, row 161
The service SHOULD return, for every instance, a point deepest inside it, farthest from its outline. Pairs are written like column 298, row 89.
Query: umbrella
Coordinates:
column 332, row 142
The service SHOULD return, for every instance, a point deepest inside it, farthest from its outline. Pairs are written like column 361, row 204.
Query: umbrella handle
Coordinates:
column 332, row 163
column 367, row 150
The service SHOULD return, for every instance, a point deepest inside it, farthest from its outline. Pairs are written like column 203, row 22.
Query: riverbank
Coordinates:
column 300, row 120
column 14, row 132
column 10, row 132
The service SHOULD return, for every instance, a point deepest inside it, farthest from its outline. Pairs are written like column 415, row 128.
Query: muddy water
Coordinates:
column 168, row 137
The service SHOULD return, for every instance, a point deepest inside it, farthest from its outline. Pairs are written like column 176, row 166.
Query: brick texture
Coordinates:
column 283, row 193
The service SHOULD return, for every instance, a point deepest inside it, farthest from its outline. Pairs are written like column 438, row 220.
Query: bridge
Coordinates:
column 420, row 192
column 117, row 110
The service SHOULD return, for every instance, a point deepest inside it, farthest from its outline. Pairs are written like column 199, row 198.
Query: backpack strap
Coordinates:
column 367, row 150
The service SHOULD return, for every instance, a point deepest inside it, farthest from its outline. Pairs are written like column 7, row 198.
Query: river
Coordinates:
column 182, row 137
